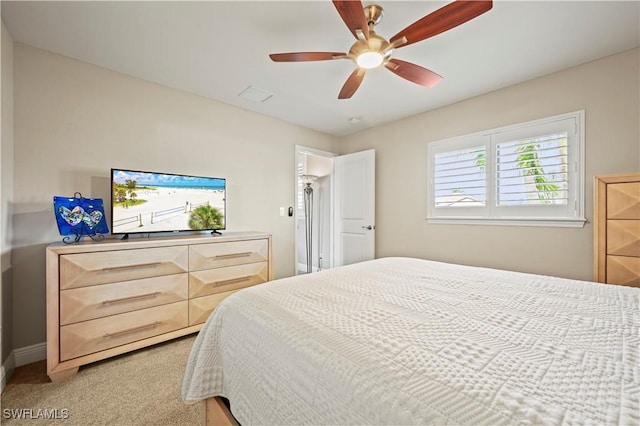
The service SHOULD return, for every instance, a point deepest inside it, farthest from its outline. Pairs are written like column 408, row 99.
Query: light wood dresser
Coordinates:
column 111, row 297
column 617, row 229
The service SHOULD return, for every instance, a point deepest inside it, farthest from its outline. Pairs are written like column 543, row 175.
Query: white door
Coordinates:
column 354, row 220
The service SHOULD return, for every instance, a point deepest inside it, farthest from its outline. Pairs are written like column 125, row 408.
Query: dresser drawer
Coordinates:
column 219, row 280
column 623, row 270
column 85, row 269
column 218, row 255
column 623, row 237
column 623, row 200
column 104, row 333
column 85, row 303
column 201, row 307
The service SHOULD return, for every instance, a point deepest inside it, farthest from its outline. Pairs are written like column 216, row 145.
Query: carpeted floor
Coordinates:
column 138, row 388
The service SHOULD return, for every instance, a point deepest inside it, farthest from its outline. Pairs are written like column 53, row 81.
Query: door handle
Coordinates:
column 368, row 227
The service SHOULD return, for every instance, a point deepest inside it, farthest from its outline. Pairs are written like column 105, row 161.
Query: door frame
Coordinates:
column 304, row 150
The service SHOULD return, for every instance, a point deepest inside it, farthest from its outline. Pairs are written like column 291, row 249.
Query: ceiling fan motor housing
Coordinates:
column 374, row 43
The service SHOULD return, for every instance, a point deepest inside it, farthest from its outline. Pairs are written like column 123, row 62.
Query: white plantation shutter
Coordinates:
column 526, row 174
column 460, row 178
column 532, row 171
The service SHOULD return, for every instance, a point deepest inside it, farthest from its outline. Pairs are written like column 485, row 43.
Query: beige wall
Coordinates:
column 74, row 121
column 607, row 89
column 6, row 196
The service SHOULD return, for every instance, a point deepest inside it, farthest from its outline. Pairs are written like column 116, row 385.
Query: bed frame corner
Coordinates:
column 218, row 414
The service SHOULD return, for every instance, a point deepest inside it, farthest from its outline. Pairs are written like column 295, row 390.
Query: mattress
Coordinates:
column 407, row 341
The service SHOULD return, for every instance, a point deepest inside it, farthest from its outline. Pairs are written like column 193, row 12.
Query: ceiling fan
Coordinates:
column 371, row 50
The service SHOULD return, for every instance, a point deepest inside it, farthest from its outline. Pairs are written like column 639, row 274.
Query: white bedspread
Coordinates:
column 406, row 341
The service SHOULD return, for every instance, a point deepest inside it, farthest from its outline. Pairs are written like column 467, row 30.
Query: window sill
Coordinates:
column 553, row 223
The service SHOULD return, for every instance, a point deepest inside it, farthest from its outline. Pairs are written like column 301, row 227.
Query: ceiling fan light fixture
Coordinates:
column 370, row 60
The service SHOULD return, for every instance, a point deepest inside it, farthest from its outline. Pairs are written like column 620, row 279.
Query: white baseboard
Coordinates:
column 7, row 370
column 19, row 357
column 29, row 354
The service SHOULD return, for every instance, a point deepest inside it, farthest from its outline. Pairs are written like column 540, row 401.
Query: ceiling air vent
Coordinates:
column 255, row 95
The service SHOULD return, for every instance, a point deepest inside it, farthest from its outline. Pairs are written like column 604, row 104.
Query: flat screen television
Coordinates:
column 144, row 202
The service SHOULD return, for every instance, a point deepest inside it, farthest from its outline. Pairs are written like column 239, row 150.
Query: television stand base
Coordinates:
column 214, row 232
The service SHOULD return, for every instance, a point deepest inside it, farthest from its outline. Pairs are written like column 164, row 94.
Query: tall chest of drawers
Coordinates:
column 617, row 229
column 112, row 297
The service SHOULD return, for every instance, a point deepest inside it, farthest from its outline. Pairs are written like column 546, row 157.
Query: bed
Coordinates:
column 409, row 341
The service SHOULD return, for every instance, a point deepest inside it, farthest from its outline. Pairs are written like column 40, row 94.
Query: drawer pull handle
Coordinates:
column 127, row 299
column 131, row 330
column 233, row 255
column 139, row 265
column 232, row 280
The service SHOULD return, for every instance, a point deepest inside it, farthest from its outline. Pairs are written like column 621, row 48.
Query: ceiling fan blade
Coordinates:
column 414, row 73
column 352, row 83
column 443, row 19
column 352, row 13
column 306, row 56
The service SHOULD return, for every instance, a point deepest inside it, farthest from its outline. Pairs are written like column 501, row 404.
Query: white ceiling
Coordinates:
column 217, row 49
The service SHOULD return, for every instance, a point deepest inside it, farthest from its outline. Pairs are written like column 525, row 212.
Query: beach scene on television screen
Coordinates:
column 156, row 202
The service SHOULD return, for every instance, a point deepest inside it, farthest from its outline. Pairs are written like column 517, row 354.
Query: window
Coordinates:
column 526, row 174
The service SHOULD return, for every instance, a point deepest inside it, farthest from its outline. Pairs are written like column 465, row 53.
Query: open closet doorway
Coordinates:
column 335, row 209
column 313, row 211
